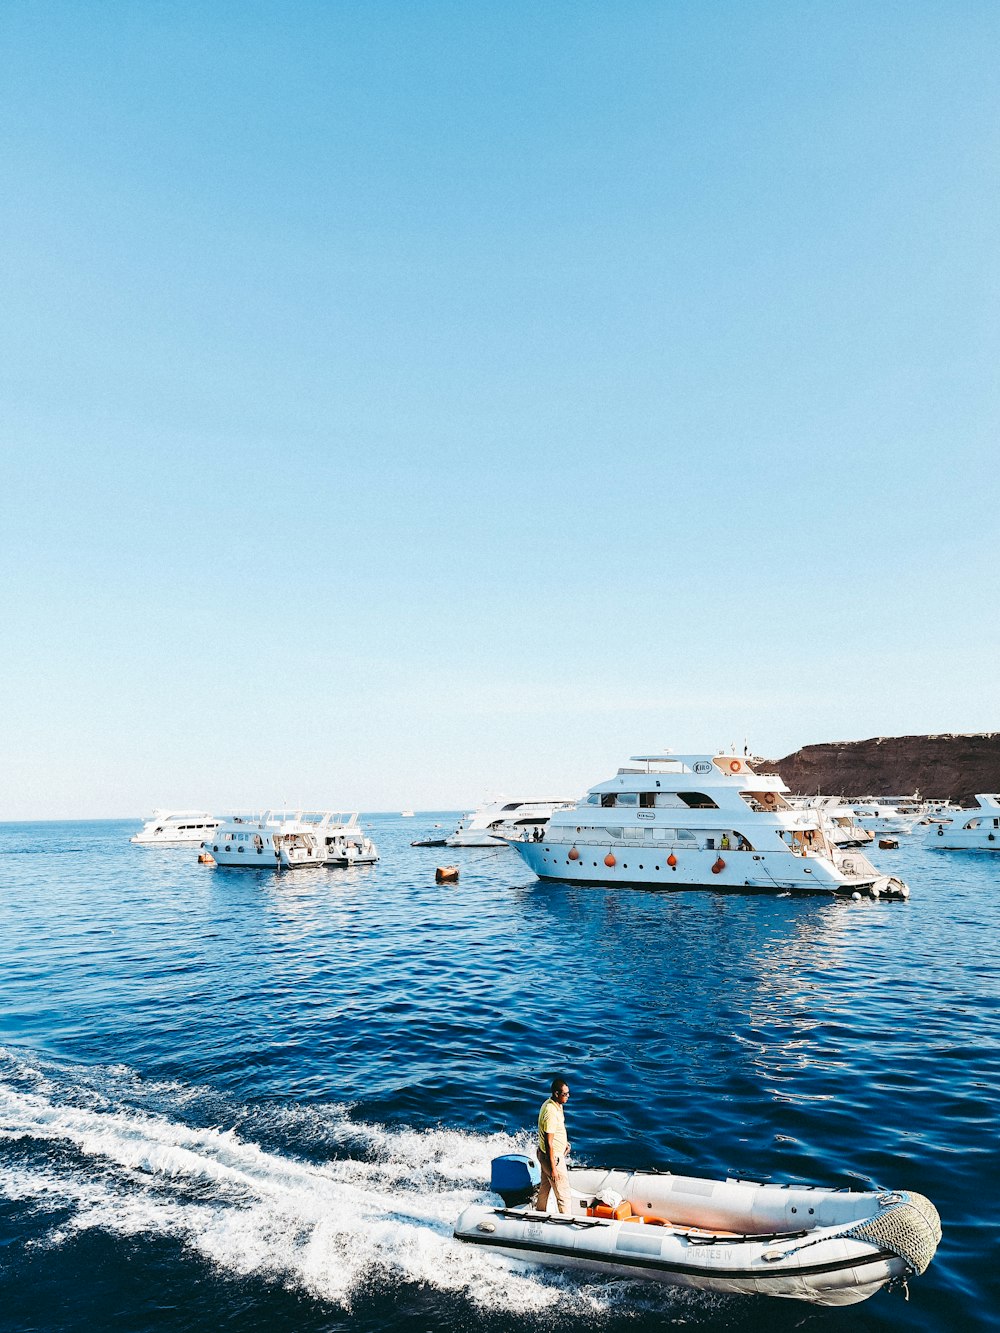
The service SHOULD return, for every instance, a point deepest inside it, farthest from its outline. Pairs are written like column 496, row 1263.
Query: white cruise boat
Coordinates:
column 973, row 830
column 842, row 823
column 886, row 814
column 497, row 822
column 291, row 838
column 345, row 842
column 938, row 812
column 168, row 828
column 296, row 849
column 673, row 821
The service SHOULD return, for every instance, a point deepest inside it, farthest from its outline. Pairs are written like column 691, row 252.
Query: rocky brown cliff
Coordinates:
column 952, row 767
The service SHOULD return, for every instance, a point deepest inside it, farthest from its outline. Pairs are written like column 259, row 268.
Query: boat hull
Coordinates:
column 956, row 844
column 846, row 1279
column 194, row 841
column 829, row 1247
column 266, row 858
column 695, row 869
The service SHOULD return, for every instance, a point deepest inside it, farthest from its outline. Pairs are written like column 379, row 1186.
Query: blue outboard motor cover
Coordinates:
column 515, row 1178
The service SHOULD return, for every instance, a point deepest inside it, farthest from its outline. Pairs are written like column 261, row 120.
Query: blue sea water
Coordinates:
column 237, row 1100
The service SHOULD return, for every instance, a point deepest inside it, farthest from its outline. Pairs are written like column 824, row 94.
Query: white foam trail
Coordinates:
column 331, row 1229
column 328, row 1229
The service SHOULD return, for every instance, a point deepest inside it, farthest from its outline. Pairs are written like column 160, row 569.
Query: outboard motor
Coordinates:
column 515, row 1178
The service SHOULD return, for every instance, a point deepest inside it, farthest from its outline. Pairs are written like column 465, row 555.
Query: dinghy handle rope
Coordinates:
column 584, row 1222
column 747, row 1240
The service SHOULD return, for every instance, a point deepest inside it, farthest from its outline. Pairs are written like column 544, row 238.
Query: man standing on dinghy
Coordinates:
column 553, row 1147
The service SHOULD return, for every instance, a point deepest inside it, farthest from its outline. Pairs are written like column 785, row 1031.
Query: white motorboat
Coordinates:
column 345, row 842
column 676, row 821
column 974, row 830
column 495, row 823
column 842, row 825
column 296, row 849
column 830, row 1247
column 168, row 828
column 938, row 812
column 291, row 838
column 887, row 814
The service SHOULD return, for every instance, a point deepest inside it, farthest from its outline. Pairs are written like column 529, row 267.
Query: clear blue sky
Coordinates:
column 407, row 402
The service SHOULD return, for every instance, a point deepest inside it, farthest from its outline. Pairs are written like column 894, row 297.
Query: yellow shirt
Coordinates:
column 552, row 1120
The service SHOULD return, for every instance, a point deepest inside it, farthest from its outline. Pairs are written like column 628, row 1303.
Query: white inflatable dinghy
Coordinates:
column 831, row 1247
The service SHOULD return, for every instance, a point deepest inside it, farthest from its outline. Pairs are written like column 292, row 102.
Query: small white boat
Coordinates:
column 842, row 825
column 973, row 830
column 830, row 1247
column 296, row 849
column 406, row 814
column 887, row 814
column 291, row 838
column 938, row 812
column 345, row 842
column 167, row 828
column 495, row 823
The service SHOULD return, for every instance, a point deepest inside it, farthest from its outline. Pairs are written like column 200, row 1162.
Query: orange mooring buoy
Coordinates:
column 671, row 860
column 573, row 854
column 610, row 860
column 446, row 874
column 720, row 865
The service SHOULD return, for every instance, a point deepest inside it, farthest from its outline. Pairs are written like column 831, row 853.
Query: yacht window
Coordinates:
column 685, row 835
column 647, row 799
column 628, row 798
column 608, row 798
column 614, row 833
column 662, row 832
column 634, row 834
column 697, row 800
column 593, row 799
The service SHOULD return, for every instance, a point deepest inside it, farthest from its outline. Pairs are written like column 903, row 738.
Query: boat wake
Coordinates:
column 333, row 1209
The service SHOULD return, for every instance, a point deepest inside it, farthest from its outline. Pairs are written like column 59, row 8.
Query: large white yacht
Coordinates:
column 167, row 828
column 496, row 822
column 973, row 830
column 671, row 821
column 289, row 838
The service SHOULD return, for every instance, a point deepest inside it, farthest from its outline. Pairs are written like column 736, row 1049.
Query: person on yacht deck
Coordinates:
column 553, row 1147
